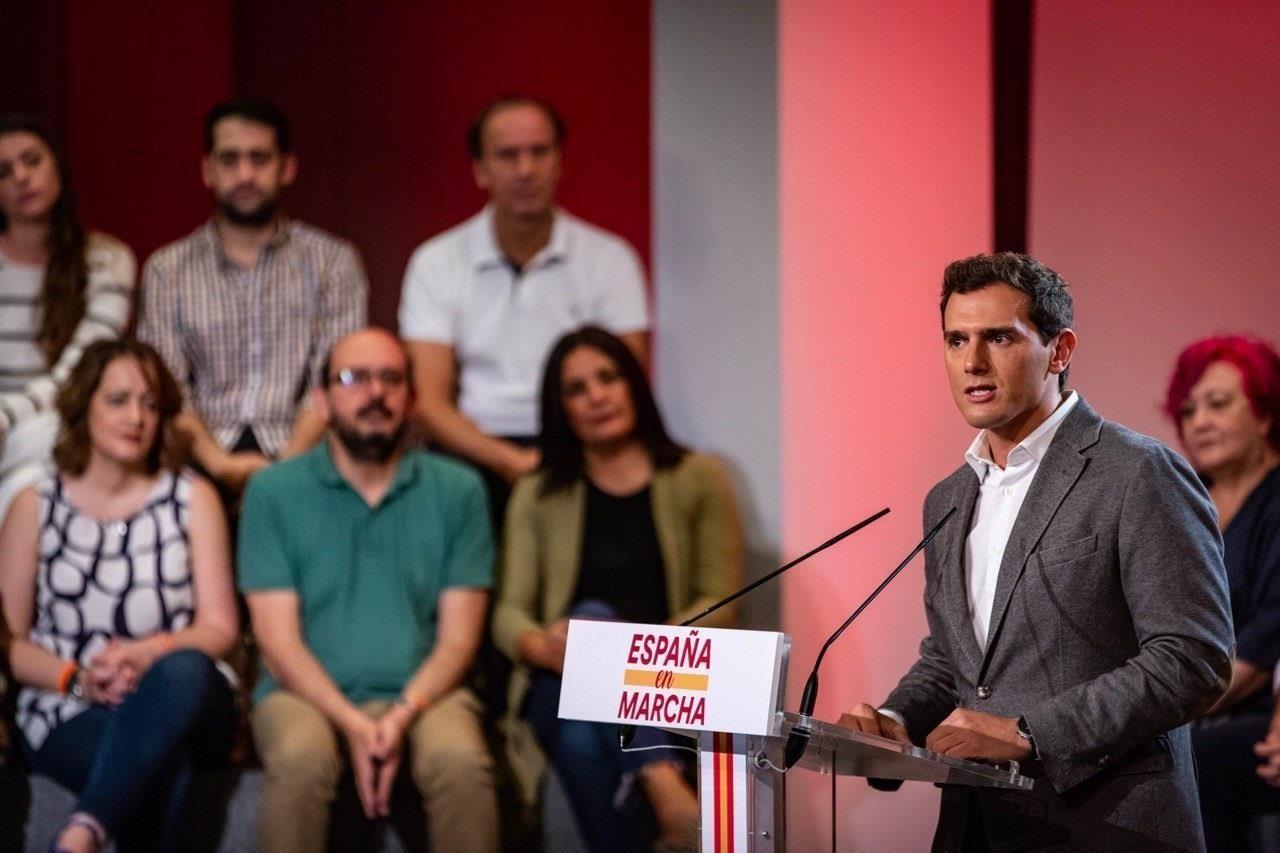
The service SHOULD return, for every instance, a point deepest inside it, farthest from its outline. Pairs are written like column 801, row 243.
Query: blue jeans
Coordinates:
column 133, row 765
column 590, row 763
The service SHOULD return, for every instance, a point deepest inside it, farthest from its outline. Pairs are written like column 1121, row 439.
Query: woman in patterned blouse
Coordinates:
column 116, row 584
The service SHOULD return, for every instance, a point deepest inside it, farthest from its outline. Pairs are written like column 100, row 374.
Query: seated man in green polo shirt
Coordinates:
column 367, row 567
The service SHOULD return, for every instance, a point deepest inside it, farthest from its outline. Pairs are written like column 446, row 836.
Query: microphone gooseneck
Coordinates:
column 797, row 561
column 798, row 740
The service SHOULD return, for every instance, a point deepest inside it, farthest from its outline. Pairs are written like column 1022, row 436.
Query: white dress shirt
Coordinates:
column 1000, row 496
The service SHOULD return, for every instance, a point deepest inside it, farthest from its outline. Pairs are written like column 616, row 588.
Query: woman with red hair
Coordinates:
column 1224, row 397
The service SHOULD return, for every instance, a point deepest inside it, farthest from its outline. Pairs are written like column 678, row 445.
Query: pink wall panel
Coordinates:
column 1154, row 182
column 885, row 117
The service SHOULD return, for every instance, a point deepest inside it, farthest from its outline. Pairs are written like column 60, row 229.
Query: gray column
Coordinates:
column 715, row 253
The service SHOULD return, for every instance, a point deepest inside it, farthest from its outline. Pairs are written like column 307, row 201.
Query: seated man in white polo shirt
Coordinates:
column 484, row 301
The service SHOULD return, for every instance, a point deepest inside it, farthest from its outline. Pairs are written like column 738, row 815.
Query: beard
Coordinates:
column 257, row 217
column 377, row 447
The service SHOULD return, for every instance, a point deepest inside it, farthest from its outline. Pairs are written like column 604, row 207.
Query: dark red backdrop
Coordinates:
column 137, row 80
column 380, row 95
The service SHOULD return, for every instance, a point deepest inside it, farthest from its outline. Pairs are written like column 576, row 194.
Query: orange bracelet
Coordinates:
column 416, row 704
column 68, row 673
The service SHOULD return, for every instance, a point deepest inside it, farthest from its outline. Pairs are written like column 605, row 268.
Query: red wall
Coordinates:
column 139, row 78
column 380, row 95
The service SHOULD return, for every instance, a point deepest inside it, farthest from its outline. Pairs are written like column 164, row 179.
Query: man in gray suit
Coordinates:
column 1077, row 603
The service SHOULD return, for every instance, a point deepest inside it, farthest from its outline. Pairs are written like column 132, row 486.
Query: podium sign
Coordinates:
column 725, row 685
column 698, row 679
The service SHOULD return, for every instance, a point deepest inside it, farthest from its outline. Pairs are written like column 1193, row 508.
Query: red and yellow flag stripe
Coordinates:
column 724, row 834
column 671, row 680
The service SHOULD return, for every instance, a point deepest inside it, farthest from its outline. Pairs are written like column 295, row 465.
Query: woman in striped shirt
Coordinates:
column 61, row 288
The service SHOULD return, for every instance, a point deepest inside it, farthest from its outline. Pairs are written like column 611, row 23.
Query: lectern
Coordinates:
column 724, row 687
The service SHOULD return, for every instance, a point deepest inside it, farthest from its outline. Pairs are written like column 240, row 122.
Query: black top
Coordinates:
column 1252, row 542
column 621, row 560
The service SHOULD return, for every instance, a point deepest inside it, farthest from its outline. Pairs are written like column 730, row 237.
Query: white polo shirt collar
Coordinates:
column 483, row 251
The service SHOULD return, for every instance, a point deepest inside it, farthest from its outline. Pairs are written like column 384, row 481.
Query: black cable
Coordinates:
column 833, row 801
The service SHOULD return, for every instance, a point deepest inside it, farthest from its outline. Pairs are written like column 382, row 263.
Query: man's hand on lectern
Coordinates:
column 864, row 718
column 980, row 736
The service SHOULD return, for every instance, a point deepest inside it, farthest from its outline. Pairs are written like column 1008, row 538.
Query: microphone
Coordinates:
column 797, row 561
column 627, row 732
column 798, row 740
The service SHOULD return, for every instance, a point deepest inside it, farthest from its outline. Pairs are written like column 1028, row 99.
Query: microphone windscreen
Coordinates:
column 797, row 742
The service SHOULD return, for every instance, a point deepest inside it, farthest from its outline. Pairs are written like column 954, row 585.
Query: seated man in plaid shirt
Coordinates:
column 244, row 309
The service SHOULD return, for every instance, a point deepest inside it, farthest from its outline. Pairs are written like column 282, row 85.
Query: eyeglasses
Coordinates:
column 349, row 377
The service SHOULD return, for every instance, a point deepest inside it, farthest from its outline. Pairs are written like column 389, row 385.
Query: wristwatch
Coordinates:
column 1024, row 732
column 75, row 689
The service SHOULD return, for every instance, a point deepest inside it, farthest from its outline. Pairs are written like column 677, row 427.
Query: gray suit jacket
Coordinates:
column 1111, row 629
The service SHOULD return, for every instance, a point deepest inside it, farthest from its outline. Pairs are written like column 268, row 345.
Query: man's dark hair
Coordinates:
column 249, row 109
column 475, row 133
column 1051, row 306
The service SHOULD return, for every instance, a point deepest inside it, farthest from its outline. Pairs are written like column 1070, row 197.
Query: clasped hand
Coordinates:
column 554, row 639
column 376, row 749
column 115, row 671
column 963, row 734
column 1268, row 749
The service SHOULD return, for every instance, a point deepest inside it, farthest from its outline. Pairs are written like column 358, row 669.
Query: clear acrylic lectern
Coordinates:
column 725, row 688
column 743, row 791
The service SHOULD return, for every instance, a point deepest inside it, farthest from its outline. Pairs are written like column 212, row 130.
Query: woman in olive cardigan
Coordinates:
column 619, row 522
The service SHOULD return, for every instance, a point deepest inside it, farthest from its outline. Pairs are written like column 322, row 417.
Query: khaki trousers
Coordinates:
column 303, row 757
